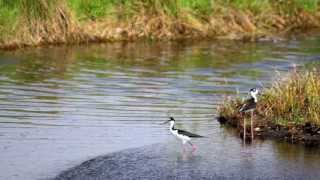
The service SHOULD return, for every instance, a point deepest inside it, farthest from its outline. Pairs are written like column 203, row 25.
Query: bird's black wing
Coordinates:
column 189, row 134
column 248, row 105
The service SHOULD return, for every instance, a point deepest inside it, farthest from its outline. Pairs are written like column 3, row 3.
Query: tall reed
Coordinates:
column 295, row 98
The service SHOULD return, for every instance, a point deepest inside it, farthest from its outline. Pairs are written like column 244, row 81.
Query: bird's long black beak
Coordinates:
column 165, row 122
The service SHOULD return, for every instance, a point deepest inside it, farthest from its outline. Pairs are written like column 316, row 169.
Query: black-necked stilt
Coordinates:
column 183, row 135
column 249, row 106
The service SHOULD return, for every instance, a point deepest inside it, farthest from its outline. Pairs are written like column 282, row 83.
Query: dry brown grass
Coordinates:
column 55, row 24
column 292, row 100
column 226, row 23
column 52, row 23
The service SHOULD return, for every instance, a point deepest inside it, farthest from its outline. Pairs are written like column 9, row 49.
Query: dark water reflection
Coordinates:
column 60, row 106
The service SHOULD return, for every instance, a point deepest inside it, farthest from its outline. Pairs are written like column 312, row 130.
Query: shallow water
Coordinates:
column 160, row 161
column 60, row 106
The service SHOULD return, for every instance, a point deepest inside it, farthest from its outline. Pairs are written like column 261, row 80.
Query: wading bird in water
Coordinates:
column 249, row 106
column 183, row 135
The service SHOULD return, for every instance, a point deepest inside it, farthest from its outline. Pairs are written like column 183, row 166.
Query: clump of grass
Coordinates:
column 45, row 21
column 39, row 22
column 294, row 99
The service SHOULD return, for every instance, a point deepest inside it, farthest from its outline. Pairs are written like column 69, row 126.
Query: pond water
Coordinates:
column 60, row 106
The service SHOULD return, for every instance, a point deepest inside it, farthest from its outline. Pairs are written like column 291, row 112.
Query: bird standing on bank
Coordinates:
column 183, row 135
column 249, row 106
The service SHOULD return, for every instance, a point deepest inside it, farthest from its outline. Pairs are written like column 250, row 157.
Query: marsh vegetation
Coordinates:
column 37, row 22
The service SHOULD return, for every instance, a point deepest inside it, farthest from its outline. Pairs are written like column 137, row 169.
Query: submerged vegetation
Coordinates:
column 34, row 22
column 288, row 109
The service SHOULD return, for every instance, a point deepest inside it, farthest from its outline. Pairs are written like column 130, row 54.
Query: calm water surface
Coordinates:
column 61, row 106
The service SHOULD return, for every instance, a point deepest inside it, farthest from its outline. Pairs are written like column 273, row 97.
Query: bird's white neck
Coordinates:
column 254, row 96
column 171, row 125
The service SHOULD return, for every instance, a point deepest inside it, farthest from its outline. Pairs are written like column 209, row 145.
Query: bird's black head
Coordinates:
column 170, row 120
column 253, row 93
column 253, row 90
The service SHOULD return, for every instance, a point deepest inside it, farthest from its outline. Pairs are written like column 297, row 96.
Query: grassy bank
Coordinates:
column 36, row 22
column 288, row 109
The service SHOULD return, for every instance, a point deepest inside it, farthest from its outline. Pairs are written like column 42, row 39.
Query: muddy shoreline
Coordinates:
column 119, row 37
column 307, row 134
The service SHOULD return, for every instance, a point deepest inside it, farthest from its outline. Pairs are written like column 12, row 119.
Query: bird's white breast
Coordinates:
column 180, row 136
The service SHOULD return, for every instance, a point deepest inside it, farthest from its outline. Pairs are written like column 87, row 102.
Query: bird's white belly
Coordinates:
column 180, row 136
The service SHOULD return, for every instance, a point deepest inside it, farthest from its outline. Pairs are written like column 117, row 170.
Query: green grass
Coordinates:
column 37, row 9
column 257, row 6
column 264, row 5
column 11, row 10
column 199, row 7
column 307, row 5
column 91, row 9
column 8, row 17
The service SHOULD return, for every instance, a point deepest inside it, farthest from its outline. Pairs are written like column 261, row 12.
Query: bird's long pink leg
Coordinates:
column 193, row 146
column 184, row 155
column 183, row 148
